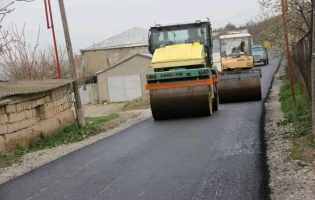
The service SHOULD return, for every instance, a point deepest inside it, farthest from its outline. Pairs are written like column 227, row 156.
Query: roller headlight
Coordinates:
column 249, row 64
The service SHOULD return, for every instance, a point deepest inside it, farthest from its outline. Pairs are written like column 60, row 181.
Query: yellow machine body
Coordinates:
column 242, row 62
column 178, row 56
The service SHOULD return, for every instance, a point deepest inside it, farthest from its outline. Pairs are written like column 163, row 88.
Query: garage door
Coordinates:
column 124, row 88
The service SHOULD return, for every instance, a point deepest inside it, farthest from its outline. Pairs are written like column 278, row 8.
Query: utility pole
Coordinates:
column 79, row 109
column 50, row 19
column 313, row 67
column 285, row 14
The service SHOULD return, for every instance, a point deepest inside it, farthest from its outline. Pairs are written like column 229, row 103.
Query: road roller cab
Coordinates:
column 183, row 82
column 236, row 51
column 239, row 80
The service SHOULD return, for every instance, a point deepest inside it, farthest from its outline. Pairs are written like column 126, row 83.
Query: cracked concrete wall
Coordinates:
column 29, row 117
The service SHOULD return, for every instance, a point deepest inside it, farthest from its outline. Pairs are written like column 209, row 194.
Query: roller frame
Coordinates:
column 239, row 75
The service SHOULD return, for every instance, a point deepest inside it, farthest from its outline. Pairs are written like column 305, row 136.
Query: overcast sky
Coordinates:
column 91, row 21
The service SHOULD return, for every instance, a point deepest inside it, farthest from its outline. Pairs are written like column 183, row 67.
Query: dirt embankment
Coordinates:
column 289, row 179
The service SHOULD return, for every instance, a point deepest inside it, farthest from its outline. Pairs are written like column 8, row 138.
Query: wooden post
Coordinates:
column 313, row 67
column 79, row 109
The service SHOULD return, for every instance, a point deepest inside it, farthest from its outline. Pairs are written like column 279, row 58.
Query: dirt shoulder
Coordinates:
column 103, row 110
column 289, row 178
column 139, row 103
column 39, row 158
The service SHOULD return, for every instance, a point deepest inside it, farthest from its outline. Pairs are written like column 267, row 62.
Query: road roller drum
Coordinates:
column 240, row 90
column 181, row 102
column 238, row 86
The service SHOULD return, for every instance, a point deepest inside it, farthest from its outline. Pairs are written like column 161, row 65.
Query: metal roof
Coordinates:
column 131, row 38
column 11, row 88
column 235, row 35
column 179, row 23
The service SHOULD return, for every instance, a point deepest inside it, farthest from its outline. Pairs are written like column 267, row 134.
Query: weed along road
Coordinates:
column 218, row 157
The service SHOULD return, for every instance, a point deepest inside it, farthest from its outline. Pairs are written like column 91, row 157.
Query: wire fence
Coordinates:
column 302, row 64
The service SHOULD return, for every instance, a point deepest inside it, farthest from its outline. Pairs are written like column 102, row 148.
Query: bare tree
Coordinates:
column 21, row 60
column 48, row 57
column 3, row 12
column 269, row 25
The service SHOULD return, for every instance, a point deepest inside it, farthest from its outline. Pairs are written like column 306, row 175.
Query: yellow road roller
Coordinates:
column 183, row 82
column 240, row 81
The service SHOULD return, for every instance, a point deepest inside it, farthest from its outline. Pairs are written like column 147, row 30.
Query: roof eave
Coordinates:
column 114, row 47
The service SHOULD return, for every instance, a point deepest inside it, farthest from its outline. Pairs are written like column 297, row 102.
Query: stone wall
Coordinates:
column 28, row 117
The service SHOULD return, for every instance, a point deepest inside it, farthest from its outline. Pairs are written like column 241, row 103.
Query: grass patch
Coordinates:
column 7, row 160
column 72, row 133
column 68, row 135
column 296, row 153
column 301, row 114
column 311, row 144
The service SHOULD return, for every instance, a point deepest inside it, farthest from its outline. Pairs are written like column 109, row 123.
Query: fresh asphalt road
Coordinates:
column 218, row 157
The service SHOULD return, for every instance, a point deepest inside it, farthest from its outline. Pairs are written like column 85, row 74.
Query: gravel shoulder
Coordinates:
column 288, row 180
column 36, row 159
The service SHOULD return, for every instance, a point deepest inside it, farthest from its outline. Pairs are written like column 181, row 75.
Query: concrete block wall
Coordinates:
column 30, row 116
column 54, row 107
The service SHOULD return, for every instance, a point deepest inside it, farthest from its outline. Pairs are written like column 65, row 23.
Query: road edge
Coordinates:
column 264, row 168
column 37, row 159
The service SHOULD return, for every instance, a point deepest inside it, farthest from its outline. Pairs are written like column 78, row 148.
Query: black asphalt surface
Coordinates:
column 218, row 157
